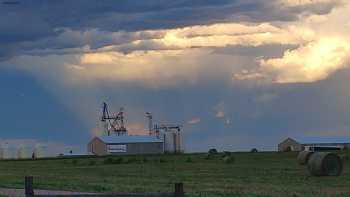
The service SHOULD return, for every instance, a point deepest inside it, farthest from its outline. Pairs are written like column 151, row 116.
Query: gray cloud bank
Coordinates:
column 54, row 25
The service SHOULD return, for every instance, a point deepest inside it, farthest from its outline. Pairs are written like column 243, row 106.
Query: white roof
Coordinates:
column 322, row 139
column 114, row 139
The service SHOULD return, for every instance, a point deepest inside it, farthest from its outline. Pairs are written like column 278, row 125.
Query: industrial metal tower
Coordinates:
column 113, row 123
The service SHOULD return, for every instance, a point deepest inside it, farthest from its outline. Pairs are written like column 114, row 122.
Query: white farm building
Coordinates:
column 314, row 143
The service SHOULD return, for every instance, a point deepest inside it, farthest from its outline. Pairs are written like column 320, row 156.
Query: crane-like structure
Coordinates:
column 113, row 123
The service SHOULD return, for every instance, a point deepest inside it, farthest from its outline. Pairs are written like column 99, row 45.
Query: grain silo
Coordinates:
column 4, row 151
column 1, row 152
column 9, row 152
column 40, row 151
column 172, row 140
column 169, row 142
column 22, row 153
column 169, row 133
column 178, row 142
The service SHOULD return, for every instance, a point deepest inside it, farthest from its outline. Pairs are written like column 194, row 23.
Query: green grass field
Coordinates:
column 251, row 174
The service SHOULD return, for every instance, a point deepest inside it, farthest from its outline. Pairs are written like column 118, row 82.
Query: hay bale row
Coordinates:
column 325, row 164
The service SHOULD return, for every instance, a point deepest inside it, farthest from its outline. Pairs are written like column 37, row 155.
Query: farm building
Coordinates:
column 161, row 138
column 126, row 144
column 314, row 143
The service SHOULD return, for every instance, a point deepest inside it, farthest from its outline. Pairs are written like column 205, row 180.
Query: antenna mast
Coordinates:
column 150, row 122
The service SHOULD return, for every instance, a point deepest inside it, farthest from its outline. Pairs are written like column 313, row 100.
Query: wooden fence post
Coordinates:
column 179, row 190
column 28, row 181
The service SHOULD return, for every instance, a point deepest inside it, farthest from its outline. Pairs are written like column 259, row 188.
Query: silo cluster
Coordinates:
column 11, row 151
column 172, row 141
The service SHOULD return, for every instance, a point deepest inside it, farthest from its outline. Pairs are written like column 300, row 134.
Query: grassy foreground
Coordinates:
column 250, row 174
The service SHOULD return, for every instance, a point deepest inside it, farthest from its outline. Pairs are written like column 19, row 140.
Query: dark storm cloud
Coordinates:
column 32, row 25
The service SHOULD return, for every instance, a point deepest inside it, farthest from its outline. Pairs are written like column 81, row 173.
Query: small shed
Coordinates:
column 126, row 144
column 289, row 144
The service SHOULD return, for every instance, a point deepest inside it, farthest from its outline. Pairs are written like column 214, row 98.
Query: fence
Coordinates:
column 30, row 192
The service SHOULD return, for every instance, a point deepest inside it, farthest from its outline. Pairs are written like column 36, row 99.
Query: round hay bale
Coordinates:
column 213, row 151
column 229, row 159
column 325, row 164
column 303, row 157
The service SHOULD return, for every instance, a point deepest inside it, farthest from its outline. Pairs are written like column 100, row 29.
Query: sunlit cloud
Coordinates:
column 220, row 35
column 214, row 35
column 134, row 128
column 307, row 2
column 266, row 98
column 324, row 54
column 194, row 121
column 316, row 19
column 313, row 62
column 137, row 129
column 166, row 57
column 220, row 110
column 154, row 68
column 220, row 114
column 97, row 131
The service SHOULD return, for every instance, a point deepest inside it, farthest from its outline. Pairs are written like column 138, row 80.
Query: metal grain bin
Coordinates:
column 303, row 157
column 325, row 164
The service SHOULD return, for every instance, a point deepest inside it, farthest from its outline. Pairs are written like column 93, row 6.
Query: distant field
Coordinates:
column 251, row 174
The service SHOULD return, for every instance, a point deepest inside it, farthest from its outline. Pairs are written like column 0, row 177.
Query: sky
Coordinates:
column 237, row 74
